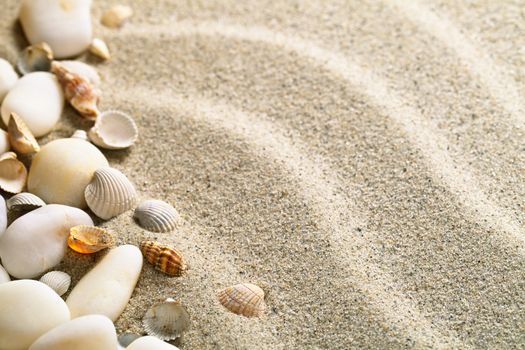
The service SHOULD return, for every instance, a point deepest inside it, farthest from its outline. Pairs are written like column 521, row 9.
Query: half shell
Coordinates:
column 20, row 137
column 156, row 215
column 99, row 48
column 166, row 320
column 58, row 281
column 164, row 258
column 35, row 58
column 244, row 299
column 116, row 16
column 24, row 202
column 89, row 239
column 13, row 173
column 110, row 193
column 114, row 130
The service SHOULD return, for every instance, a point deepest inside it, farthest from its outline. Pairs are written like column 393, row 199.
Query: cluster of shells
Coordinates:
column 74, row 173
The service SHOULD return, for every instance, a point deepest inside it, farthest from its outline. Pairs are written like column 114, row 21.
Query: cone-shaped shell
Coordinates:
column 24, row 201
column 244, row 299
column 166, row 320
column 163, row 258
column 114, row 130
column 35, row 58
column 110, row 193
column 89, row 239
column 156, row 215
column 58, row 281
column 99, row 48
column 13, row 173
column 20, row 137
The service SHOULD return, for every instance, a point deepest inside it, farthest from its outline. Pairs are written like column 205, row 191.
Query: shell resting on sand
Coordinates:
column 166, row 320
column 244, row 299
column 114, row 130
column 164, row 258
column 156, row 215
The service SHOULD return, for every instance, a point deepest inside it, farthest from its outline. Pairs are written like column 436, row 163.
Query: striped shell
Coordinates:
column 244, row 299
column 110, row 193
column 114, row 130
column 20, row 137
column 58, row 281
column 166, row 320
column 86, row 239
column 156, row 215
column 13, row 173
column 164, row 258
column 24, row 202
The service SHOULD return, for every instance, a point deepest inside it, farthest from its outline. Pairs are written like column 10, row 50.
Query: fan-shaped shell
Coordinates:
column 20, row 137
column 25, row 202
column 114, row 130
column 166, row 320
column 244, row 299
column 86, row 239
column 35, row 58
column 164, row 258
column 13, row 173
column 58, row 281
column 110, row 193
column 156, row 215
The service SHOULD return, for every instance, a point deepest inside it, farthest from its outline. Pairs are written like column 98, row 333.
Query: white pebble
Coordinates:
column 8, row 78
column 150, row 343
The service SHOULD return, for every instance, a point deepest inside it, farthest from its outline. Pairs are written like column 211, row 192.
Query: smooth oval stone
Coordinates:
column 65, row 25
column 28, row 310
column 38, row 99
column 62, row 169
column 3, row 216
column 4, row 276
column 106, row 289
column 150, row 343
column 84, row 333
column 37, row 241
column 8, row 78
column 4, row 142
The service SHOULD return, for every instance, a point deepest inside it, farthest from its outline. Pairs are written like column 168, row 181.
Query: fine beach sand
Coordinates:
column 362, row 161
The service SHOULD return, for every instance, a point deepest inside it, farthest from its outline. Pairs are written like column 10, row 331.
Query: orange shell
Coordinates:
column 164, row 258
column 244, row 299
column 89, row 239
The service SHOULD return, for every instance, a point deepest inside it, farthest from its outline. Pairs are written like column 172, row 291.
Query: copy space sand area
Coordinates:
column 362, row 161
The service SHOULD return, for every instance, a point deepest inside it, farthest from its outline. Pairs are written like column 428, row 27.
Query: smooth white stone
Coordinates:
column 92, row 332
column 29, row 309
column 37, row 241
column 4, row 276
column 84, row 70
column 38, row 99
column 8, row 78
column 150, row 343
column 63, row 24
column 5, row 146
column 3, row 216
column 106, row 289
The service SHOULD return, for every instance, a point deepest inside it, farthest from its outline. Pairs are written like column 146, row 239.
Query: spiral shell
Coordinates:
column 164, row 258
column 20, row 137
column 110, row 193
column 89, row 239
column 114, row 130
column 35, row 58
column 13, row 173
column 156, row 215
column 24, row 202
column 166, row 320
column 244, row 299
column 58, row 281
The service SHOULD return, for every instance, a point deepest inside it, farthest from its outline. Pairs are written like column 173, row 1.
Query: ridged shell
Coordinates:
column 164, row 258
column 110, row 193
column 35, row 58
column 24, row 202
column 20, row 137
column 166, row 320
column 244, row 299
column 115, row 16
column 58, row 281
column 127, row 338
column 89, row 239
column 114, row 130
column 156, row 215
column 13, row 173
column 99, row 48
column 80, row 134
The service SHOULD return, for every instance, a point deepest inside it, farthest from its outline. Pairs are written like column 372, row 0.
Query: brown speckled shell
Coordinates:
column 164, row 258
column 244, row 299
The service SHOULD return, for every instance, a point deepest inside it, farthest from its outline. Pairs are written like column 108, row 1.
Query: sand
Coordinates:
column 362, row 161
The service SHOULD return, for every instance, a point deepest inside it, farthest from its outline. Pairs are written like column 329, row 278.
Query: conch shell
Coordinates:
column 164, row 258
column 20, row 137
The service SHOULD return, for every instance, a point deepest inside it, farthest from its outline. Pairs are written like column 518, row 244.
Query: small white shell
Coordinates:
column 156, row 215
column 110, row 193
column 25, row 202
column 114, row 130
column 99, row 48
column 13, row 173
column 80, row 134
column 58, row 281
column 35, row 58
column 84, row 70
column 166, row 320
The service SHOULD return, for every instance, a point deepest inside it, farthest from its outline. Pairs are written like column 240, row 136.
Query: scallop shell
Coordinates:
column 86, row 239
column 78, row 91
column 166, row 320
column 58, row 281
column 24, row 202
column 127, row 338
column 80, row 134
column 35, row 58
column 114, row 130
column 244, row 299
column 20, row 137
column 156, row 215
column 110, row 193
column 13, row 173
column 116, row 16
column 99, row 48
column 164, row 258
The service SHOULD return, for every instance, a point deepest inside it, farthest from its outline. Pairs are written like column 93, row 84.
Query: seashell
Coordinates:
column 58, row 281
column 89, row 239
column 156, row 215
column 8, row 78
column 84, row 70
column 110, row 193
column 20, row 137
column 116, row 16
column 166, row 320
column 244, row 299
column 127, row 338
column 13, row 173
column 35, row 58
column 24, row 202
column 114, row 130
column 80, row 134
column 99, row 48
column 65, row 25
column 78, row 91
column 163, row 258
